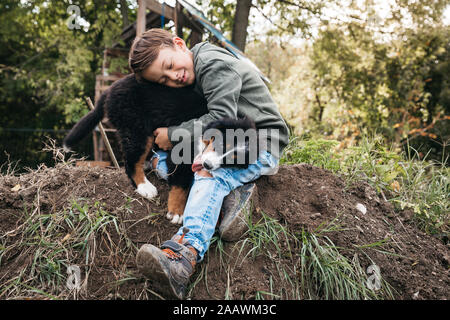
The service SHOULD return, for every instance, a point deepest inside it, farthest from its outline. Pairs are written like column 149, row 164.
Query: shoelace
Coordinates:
column 170, row 254
column 175, row 256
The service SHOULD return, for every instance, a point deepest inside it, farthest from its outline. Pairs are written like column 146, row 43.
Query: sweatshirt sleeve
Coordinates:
column 221, row 86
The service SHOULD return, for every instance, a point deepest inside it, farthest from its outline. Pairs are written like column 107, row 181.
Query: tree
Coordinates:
column 46, row 68
column 240, row 24
column 288, row 17
column 124, row 12
column 384, row 76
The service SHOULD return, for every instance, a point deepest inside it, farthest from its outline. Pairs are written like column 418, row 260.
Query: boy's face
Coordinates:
column 174, row 67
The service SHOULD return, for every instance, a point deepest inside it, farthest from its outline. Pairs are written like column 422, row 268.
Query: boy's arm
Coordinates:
column 221, row 87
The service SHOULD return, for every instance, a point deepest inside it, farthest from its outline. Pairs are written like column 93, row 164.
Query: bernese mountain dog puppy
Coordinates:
column 136, row 108
column 224, row 143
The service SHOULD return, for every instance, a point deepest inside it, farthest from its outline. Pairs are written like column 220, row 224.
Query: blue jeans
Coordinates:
column 207, row 193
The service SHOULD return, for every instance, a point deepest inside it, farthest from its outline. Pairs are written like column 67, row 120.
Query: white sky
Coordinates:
column 446, row 17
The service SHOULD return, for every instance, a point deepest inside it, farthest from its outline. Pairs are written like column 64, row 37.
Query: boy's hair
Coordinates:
column 145, row 49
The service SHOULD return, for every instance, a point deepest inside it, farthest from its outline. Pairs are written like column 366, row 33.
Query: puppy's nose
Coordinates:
column 207, row 165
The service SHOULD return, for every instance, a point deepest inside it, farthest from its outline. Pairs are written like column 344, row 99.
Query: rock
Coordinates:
column 361, row 208
column 315, row 215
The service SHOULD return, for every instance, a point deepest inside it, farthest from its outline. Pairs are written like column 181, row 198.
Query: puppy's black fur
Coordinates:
column 136, row 109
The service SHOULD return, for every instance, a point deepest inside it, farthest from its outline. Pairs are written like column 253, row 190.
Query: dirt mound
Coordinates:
column 51, row 218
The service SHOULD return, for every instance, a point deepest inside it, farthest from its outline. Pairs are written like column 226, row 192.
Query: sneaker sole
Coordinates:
column 149, row 261
column 234, row 226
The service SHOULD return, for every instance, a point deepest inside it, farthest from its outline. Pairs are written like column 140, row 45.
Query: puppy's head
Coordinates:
column 227, row 142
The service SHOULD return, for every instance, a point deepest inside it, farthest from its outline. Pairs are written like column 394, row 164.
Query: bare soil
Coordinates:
column 300, row 197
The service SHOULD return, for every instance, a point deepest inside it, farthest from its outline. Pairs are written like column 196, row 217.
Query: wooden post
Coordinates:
column 196, row 37
column 95, row 143
column 105, row 138
column 178, row 20
column 141, row 19
column 157, row 7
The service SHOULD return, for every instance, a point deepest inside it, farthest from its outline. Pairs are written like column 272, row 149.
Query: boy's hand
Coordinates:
column 162, row 138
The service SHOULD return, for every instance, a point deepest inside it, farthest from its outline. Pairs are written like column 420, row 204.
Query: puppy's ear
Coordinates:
column 207, row 143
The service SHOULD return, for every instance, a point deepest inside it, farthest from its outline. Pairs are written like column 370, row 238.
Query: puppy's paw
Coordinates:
column 174, row 218
column 177, row 219
column 147, row 190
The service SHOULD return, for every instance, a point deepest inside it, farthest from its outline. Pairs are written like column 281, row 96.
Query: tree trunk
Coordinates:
column 241, row 23
column 321, row 108
column 124, row 11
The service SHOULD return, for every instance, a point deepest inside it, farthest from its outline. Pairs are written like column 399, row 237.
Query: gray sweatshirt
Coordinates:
column 234, row 89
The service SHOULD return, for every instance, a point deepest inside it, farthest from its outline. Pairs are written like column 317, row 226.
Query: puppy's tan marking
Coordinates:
column 139, row 176
column 177, row 200
column 176, row 203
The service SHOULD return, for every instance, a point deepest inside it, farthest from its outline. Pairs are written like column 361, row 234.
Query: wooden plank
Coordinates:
column 189, row 22
column 117, row 52
column 94, row 140
column 140, row 26
column 127, row 36
column 108, row 129
column 154, row 21
column 178, row 19
column 107, row 78
column 155, row 6
column 101, row 88
column 196, row 37
column 102, row 164
column 129, row 33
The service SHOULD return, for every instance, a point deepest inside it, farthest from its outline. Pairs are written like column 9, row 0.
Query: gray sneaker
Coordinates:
column 169, row 267
column 236, row 208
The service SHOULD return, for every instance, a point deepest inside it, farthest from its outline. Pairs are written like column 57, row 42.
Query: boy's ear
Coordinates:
column 178, row 42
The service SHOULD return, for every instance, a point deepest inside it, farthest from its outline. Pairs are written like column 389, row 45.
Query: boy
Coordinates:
column 232, row 89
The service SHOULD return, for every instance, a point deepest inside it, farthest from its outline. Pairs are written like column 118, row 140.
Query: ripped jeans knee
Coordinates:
column 161, row 170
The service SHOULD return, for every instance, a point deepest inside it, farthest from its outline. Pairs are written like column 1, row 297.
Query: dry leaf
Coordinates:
column 67, row 237
column 16, row 188
column 395, row 186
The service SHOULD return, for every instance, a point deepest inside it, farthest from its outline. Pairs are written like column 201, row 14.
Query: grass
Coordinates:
column 425, row 189
column 318, row 152
column 305, row 265
column 50, row 243
column 265, row 233
column 327, row 274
